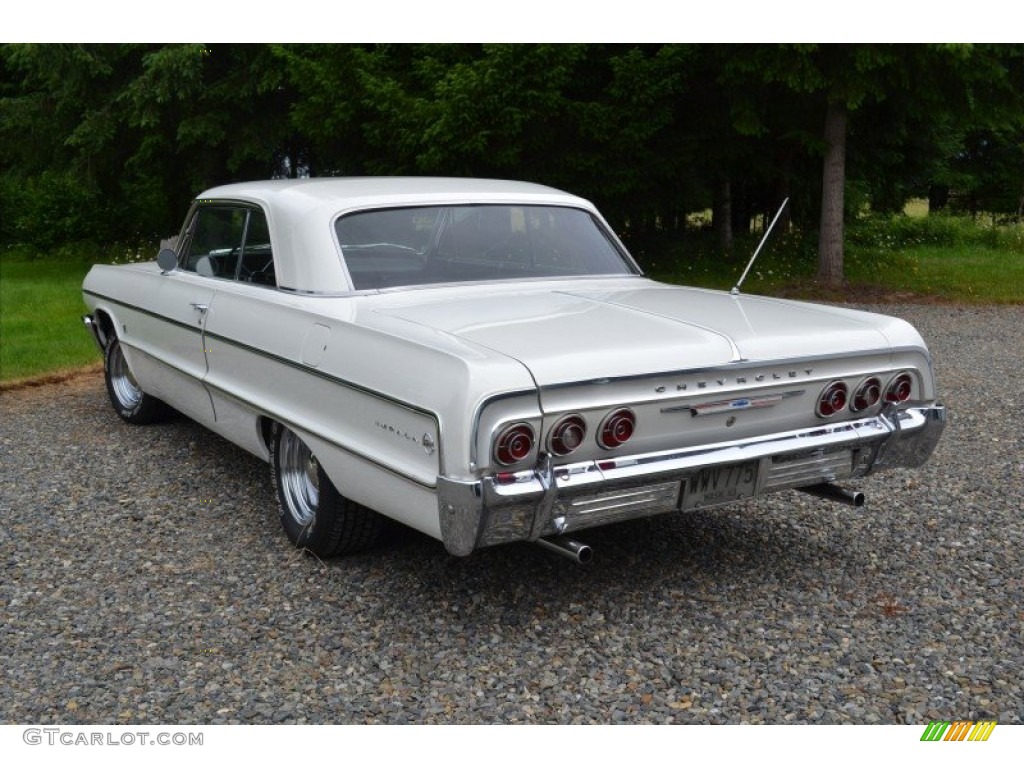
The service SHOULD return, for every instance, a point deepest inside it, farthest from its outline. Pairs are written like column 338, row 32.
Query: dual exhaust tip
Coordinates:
column 835, row 493
column 574, row 550
column 583, row 554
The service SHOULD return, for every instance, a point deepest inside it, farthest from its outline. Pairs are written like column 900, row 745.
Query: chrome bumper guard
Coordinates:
column 97, row 333
column 550, row 500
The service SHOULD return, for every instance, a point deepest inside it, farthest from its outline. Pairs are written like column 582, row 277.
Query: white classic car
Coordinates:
column 484, row 362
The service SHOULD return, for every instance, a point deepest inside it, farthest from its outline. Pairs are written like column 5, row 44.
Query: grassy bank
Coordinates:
column 908, row 258
column 40, row 317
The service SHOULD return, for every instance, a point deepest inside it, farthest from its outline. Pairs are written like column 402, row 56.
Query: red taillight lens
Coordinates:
column 832, row 400
column 867, row 394
column 513, row 444
column 899, row 389
column 616, row 428
column 567, row 435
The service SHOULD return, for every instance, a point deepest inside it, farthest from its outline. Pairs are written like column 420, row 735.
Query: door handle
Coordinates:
column 199, row 307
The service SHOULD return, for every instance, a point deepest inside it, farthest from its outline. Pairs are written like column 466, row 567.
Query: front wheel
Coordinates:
column 129, row 401
column 313, row 513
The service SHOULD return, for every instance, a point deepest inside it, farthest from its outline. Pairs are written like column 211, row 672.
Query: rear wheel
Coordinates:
column 129, row 401
column 313, row 513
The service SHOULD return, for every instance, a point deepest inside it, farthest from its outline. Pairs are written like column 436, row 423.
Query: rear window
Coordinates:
column 448, row 244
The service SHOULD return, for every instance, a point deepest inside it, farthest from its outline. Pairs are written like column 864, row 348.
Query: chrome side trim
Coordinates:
column 263, row 410
column 294, row 426
column 271, row 356
column 150, row 313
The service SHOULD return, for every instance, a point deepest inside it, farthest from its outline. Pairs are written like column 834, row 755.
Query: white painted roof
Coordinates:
column 347, row 193
column 301, row 213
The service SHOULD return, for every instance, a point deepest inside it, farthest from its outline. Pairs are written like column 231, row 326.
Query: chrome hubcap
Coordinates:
column 300, row 480
column 122, row 380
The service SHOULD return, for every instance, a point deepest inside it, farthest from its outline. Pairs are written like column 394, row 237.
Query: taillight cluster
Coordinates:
column 516, row 442
column 832, row 399
column 835, row 396
column 899, row 389
column 867, row 394
column 567, row 435
column 616, row 428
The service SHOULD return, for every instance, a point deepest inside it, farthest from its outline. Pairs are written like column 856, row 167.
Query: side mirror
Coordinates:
column 167, row 260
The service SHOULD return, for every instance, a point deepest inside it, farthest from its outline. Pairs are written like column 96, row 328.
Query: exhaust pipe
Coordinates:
column 581, row 553
column 97, row 332
column 835, row 493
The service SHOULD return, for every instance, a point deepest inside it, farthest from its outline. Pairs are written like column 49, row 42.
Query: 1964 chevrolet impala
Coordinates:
column 483, row 361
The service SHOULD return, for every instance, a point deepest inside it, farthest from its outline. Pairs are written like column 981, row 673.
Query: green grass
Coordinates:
column 932, row 258
column 967, row 274
column 40, row 317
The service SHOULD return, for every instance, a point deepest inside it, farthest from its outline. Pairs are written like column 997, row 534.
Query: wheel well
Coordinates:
column 106, row 325
column 266, row 425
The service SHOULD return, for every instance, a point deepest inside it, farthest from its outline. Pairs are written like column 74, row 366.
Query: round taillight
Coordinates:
column 616, row 428
column 867, row 394
column 899, row 389
column 567, row 435
column 514, row 444
column 832, row 400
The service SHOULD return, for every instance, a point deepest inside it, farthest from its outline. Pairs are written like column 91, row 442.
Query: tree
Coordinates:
column 111, row 141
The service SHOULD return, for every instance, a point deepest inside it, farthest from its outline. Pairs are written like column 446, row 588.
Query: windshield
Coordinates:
column 448, row 244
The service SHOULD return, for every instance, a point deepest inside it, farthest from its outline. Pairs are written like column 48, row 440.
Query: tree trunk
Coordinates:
column 830, row 239
column 722, row 216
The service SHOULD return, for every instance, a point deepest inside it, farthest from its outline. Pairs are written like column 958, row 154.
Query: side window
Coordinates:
column 257, row 257
column 231, row 242
column 216, row 241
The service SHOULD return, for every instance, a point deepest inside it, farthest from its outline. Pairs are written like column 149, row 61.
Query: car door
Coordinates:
column 183, row 300
column 244, row 311
column 175, row 362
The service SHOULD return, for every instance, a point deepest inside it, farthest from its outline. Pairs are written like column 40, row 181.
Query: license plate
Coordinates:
column 718, row 485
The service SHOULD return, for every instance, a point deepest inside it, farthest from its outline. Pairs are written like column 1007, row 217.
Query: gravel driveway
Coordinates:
column 145, row 579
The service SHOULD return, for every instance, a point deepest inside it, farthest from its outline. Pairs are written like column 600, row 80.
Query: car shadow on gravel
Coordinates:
column 690, row 561
column 685, row 563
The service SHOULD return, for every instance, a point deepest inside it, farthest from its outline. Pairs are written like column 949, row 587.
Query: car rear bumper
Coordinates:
column 550, row 500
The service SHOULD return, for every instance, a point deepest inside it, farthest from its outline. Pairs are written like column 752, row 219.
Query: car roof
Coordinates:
column 301, row 213
column 339, row 194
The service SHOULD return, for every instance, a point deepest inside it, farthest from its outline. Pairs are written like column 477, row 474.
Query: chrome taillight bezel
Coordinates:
column 557, row 443
column 900, row 388
column 867, row 394
column 509, row 448
column 614, row 431
column 828, row 404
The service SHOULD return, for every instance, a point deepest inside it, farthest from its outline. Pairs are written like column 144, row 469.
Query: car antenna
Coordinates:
column 736, row 288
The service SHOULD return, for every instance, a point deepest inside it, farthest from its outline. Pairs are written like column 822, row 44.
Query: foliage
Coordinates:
column 951, row 258
column 897, row 232
column 109, row 143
